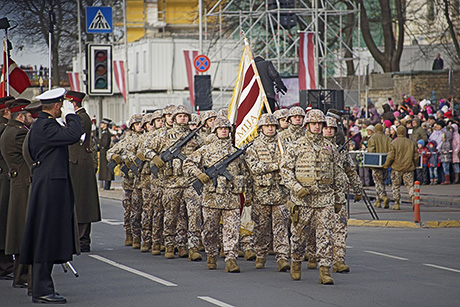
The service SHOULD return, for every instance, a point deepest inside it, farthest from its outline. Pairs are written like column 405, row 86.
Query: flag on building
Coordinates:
column 190, row 55
column 74, row 81
column 18, row 79
column 248, row 99
column 119, row 72
column 307, row 78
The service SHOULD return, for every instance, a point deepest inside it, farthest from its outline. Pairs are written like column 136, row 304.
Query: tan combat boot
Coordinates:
column 249, row 255
column 222, row 254
column 128, row 240
column 386, row 202
column 162, row 247
column 201, row 246
column 194, row 255
column 306, row 257
column 396, row 206
column 377, row 203
column 156, row 249
column 169, row 252
column 136, row 243
column 182, row 251
column 296, row 268
column 311, row 264
column 283, row 265
column 260, row 262
column 231, row 266
column 325, row 276
column 145, row 247
column 340, row 267
column 211, row 263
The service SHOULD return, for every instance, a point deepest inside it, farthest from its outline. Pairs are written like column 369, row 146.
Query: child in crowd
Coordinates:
column 422, row 173
column 433, row 162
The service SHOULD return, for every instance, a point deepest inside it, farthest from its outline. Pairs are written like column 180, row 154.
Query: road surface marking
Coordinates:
column 134, row 271
column 386, row 255
column 441, row 267
column 214, row 301
column 112, row 222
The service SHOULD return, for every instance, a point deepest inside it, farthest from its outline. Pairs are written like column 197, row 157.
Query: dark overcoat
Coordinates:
column 49, row 235
column 104, row 145
column 4, row 190
column 82, row 174
column 11, row 147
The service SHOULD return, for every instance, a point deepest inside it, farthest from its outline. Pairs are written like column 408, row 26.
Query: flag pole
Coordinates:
column 6, row 64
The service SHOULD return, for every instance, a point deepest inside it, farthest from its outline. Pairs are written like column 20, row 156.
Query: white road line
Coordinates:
column 386, row 255
column 111, row 222
column 441, row 267
column 214, row 301
column 134, row 271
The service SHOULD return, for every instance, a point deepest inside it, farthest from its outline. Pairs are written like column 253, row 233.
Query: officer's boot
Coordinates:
column 194, row 255
column 136, row 243
column 260, row 262
column 249, row 255
column 396, row 205
column 377, row 203
column 211, row 263
column 446, row 179
column 145, row 247
column 386, row 202
column 231, row 266
column 283, row 265
column 128, row 240
column 325, row 276
column 156, row 249
column 296, row 268
column 169, row 252
column 340, row 267
column 182, row 251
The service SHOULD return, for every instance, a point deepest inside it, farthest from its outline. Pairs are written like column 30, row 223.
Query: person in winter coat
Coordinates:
column 445, row 152
column 388, row 113
column 455, row 153
column 374, row 116
column 356, row 136
column 422, row 173
column 418, row 133
column 433, row 162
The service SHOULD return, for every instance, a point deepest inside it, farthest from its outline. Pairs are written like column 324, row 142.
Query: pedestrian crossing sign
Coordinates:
column 99, row 19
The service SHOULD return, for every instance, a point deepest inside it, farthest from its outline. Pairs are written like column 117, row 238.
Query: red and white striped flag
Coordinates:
column 74, row 81
column 248, row 99
column 190, row 55
column 119, row 72
column 18, row 79
column 307, row 79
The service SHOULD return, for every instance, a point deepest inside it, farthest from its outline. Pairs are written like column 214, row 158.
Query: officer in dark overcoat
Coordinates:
column 49, row 233
column 104, row 145
column 82, row 175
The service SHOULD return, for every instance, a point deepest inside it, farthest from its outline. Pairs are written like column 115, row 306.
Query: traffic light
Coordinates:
column 99, row 69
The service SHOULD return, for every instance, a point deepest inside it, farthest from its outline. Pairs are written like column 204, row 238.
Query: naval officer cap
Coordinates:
column 52, row 96
column 106, row 121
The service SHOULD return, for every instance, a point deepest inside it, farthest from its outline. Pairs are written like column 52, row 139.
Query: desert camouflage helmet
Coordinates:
column 330, row 122
column 222, row 112
column 147, row 118
column 181, row 110
column 195, row 119
column 168, row 110
column 207, row 115
column 157, row 114
column 221, row 122
column 267, row 119
column 136, row 118
column 295, row 111
column 282, row 113
column 315, row 116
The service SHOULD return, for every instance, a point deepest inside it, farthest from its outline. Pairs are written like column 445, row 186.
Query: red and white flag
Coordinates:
column 307, row 78
column 18, row 79
column 119, row 72
column 190, row 55
column 74, row 81
column 248, row 99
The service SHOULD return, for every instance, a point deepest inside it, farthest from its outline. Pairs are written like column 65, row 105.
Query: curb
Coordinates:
column 403, row 224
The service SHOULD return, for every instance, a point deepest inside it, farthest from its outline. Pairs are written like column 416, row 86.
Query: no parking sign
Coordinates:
column 202, row 63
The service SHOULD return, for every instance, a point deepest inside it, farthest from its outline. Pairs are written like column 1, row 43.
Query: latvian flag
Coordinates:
column 307, row 79
column 74, row 81
column 119, row 72
column 248, row 99
column 190, row 56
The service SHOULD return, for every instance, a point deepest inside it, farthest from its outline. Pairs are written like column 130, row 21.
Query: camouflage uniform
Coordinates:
column 293, row 132
column 407, row 178
column 279, row 114
column 269, row 211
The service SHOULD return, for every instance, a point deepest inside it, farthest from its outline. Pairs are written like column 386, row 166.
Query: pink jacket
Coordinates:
column 455, row 144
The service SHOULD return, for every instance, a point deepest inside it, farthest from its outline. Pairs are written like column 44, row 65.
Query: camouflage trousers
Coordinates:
column 193, row 203
column 321, row 222
column 268, row 220
column 136, row 212
column 158, row 214
column 182, row 225
column 407, row 178
column 339, row 234
column 150, row 195
column 172, row 200
column 230, row 231
column 126, row 202
column 379, row 176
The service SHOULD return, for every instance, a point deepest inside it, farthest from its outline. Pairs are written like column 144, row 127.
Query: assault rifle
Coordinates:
column 174, row 151
column 344, row 145
column 220, row 168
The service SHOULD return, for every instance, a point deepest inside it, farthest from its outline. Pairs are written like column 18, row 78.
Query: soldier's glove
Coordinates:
column 273, row 167
column 358, row 197
column 117, row 159
column 203, row 178
column 141, row 156
column 337, row 208
column 158, row 162
column 128, row 163
column 302, row 193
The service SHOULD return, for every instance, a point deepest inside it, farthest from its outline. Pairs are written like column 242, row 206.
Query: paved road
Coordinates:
column 389, row 267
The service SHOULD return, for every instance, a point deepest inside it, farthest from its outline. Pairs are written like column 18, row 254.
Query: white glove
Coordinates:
column 67, row 108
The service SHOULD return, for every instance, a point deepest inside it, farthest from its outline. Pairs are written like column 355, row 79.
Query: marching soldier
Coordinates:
column 104, row 145
column 269, row 211
column 339, row 134
column 281, row 116
column 309, row 171
column 220, row 201
column 82, row 174
column 295, row 130
column 207, row 119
